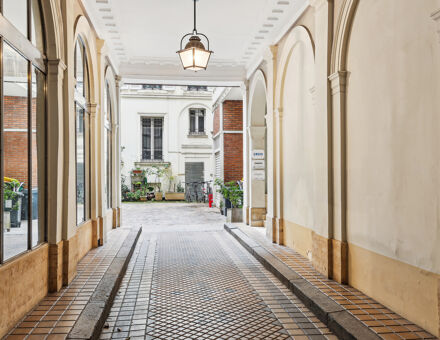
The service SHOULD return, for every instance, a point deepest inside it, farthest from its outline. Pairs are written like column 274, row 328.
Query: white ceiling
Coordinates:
column 144, row 35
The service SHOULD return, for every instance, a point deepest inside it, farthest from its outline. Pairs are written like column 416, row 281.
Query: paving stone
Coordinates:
column 197, row 282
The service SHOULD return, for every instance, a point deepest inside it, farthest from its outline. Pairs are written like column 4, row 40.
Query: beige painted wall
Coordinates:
column 304, row 145
column 393, row 132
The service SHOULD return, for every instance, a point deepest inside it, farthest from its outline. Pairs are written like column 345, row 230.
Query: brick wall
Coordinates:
column 16, row 142
column 216, row 128
column 233, row 157
column 233, row 115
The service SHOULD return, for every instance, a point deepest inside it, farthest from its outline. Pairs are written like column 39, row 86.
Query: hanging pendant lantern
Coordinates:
column 194, row 56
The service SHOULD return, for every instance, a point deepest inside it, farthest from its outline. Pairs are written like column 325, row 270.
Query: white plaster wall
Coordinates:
column 175, row 110
column 393, row 127
column 304, row 170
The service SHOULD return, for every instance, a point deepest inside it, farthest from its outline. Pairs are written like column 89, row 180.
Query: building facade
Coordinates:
column 167, row 127
column 228, row 136
column 59, row 164
column 352, row 119
column 339, row 135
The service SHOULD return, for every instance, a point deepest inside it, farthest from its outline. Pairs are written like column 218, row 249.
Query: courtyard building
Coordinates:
column 166, row 132
column 324, row 114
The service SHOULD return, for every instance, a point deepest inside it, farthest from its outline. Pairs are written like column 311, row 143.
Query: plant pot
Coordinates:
column 235, row 215
column 16, row 213
column 144, row 198
column 158, row 196
column 137, row 172
column 175, row 196
column 7, row 220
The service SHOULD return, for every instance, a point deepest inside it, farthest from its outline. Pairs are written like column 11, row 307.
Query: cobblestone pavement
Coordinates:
column 386, row 323
column 189, row 279
column 54, row 317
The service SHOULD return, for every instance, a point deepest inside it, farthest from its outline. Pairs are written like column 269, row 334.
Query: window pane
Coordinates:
column 38, row 152
column 16, row 12
column 79, row 68
column 80, row 166
column 158, row 138
column 36, row 28
column 146, row 138
column 15, row 120
column 202, row 122
column 192, row 121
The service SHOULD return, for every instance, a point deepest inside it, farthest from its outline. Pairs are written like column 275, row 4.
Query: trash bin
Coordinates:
column 25, row 205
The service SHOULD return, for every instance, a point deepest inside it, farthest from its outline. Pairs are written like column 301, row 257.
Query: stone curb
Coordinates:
column 342, row 323
column 92, row 319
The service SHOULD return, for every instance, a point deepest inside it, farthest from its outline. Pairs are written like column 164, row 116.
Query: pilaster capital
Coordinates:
column 118, row 80
column 338, row 82
column 279, row 113
column 92, row 108
column 56, row 67
column 318, row 4
column 436, row 17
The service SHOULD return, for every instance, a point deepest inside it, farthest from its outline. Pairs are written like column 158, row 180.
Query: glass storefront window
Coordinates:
column 15, row 154
column 38, row 106
column 82, row 134
column 23, row 119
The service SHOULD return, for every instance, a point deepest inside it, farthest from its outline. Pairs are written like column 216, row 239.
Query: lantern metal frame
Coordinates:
column 193, row 41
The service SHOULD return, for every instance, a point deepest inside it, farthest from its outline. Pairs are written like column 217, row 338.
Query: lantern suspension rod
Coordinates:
column 195, row 20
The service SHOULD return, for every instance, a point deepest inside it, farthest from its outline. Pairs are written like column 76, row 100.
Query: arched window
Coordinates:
column 22, row 128
column 108, row 112
column 82, row 123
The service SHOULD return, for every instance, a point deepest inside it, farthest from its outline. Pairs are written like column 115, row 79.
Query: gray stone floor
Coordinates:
column 189, row 279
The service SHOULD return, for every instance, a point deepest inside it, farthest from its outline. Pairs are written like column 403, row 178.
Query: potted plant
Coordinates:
column 160, row 173
column 233, row 194
column 172, row 194
column 13, row 196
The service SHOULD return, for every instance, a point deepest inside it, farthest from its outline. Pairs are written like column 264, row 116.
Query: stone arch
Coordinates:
column 299, row 35
column 299, row 186
column 83, row 30
column 342, row 36
column 53, row 29
column 196, row 105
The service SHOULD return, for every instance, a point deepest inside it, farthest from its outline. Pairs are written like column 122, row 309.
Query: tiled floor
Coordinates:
column 383, row 321
column 55, row 316
column 189, row 279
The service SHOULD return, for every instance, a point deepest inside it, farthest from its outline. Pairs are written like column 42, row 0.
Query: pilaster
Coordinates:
column 270, row 56
column 338, row 83
column 55, row 169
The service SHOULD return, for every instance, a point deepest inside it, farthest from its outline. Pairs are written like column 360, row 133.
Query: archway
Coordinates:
column 257, row 164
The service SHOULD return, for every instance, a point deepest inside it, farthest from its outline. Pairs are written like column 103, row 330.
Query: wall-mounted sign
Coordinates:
column 258, row 175
column 258, row 164
column 258, row 154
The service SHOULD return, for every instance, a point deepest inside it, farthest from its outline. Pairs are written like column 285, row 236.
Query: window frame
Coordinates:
column 35, row 58
column 152, row 139
column 108, row 120
column 198, row 112
column 81, row 99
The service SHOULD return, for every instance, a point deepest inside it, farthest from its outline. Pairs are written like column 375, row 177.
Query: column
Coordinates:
column 55, row 169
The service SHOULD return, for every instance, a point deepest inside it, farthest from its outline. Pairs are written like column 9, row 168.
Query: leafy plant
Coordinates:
column 180, row 188
column 231, row 191
column 12, row 191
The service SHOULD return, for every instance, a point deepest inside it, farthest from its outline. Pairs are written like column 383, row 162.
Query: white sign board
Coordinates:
column 258, row 175
column 258, row 154
column 258, row 164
